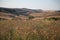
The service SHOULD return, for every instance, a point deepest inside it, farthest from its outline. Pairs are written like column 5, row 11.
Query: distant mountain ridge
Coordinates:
column 19, row 11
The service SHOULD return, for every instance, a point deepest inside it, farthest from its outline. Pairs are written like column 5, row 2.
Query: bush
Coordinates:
column 53, row 18
column 31, row 17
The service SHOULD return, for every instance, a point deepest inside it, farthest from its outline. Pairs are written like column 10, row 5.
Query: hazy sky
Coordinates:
column 33, row 4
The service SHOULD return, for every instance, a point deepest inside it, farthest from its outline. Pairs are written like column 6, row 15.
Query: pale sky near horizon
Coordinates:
column 33, row 4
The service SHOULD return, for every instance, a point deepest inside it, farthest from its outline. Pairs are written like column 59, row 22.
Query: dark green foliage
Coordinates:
column 53, row 18
column 31, row 17
column 3, row 19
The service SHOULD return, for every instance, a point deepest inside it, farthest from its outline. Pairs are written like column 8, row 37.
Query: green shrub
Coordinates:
column 31, row 17
column 53, row 18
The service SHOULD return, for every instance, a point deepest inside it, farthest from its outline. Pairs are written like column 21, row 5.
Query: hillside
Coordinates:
column 19, row 11
column 28, row 24
column 24, row 13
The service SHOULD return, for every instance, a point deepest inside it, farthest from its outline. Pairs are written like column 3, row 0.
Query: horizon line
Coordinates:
column 28, row 8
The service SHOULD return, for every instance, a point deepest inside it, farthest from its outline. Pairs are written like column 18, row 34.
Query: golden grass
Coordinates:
column 38, row 29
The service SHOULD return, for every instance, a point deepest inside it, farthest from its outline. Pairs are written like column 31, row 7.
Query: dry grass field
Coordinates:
column 37, row 28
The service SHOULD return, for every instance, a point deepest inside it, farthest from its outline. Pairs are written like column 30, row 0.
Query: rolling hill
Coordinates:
column 29, row 24
column 25, row 13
